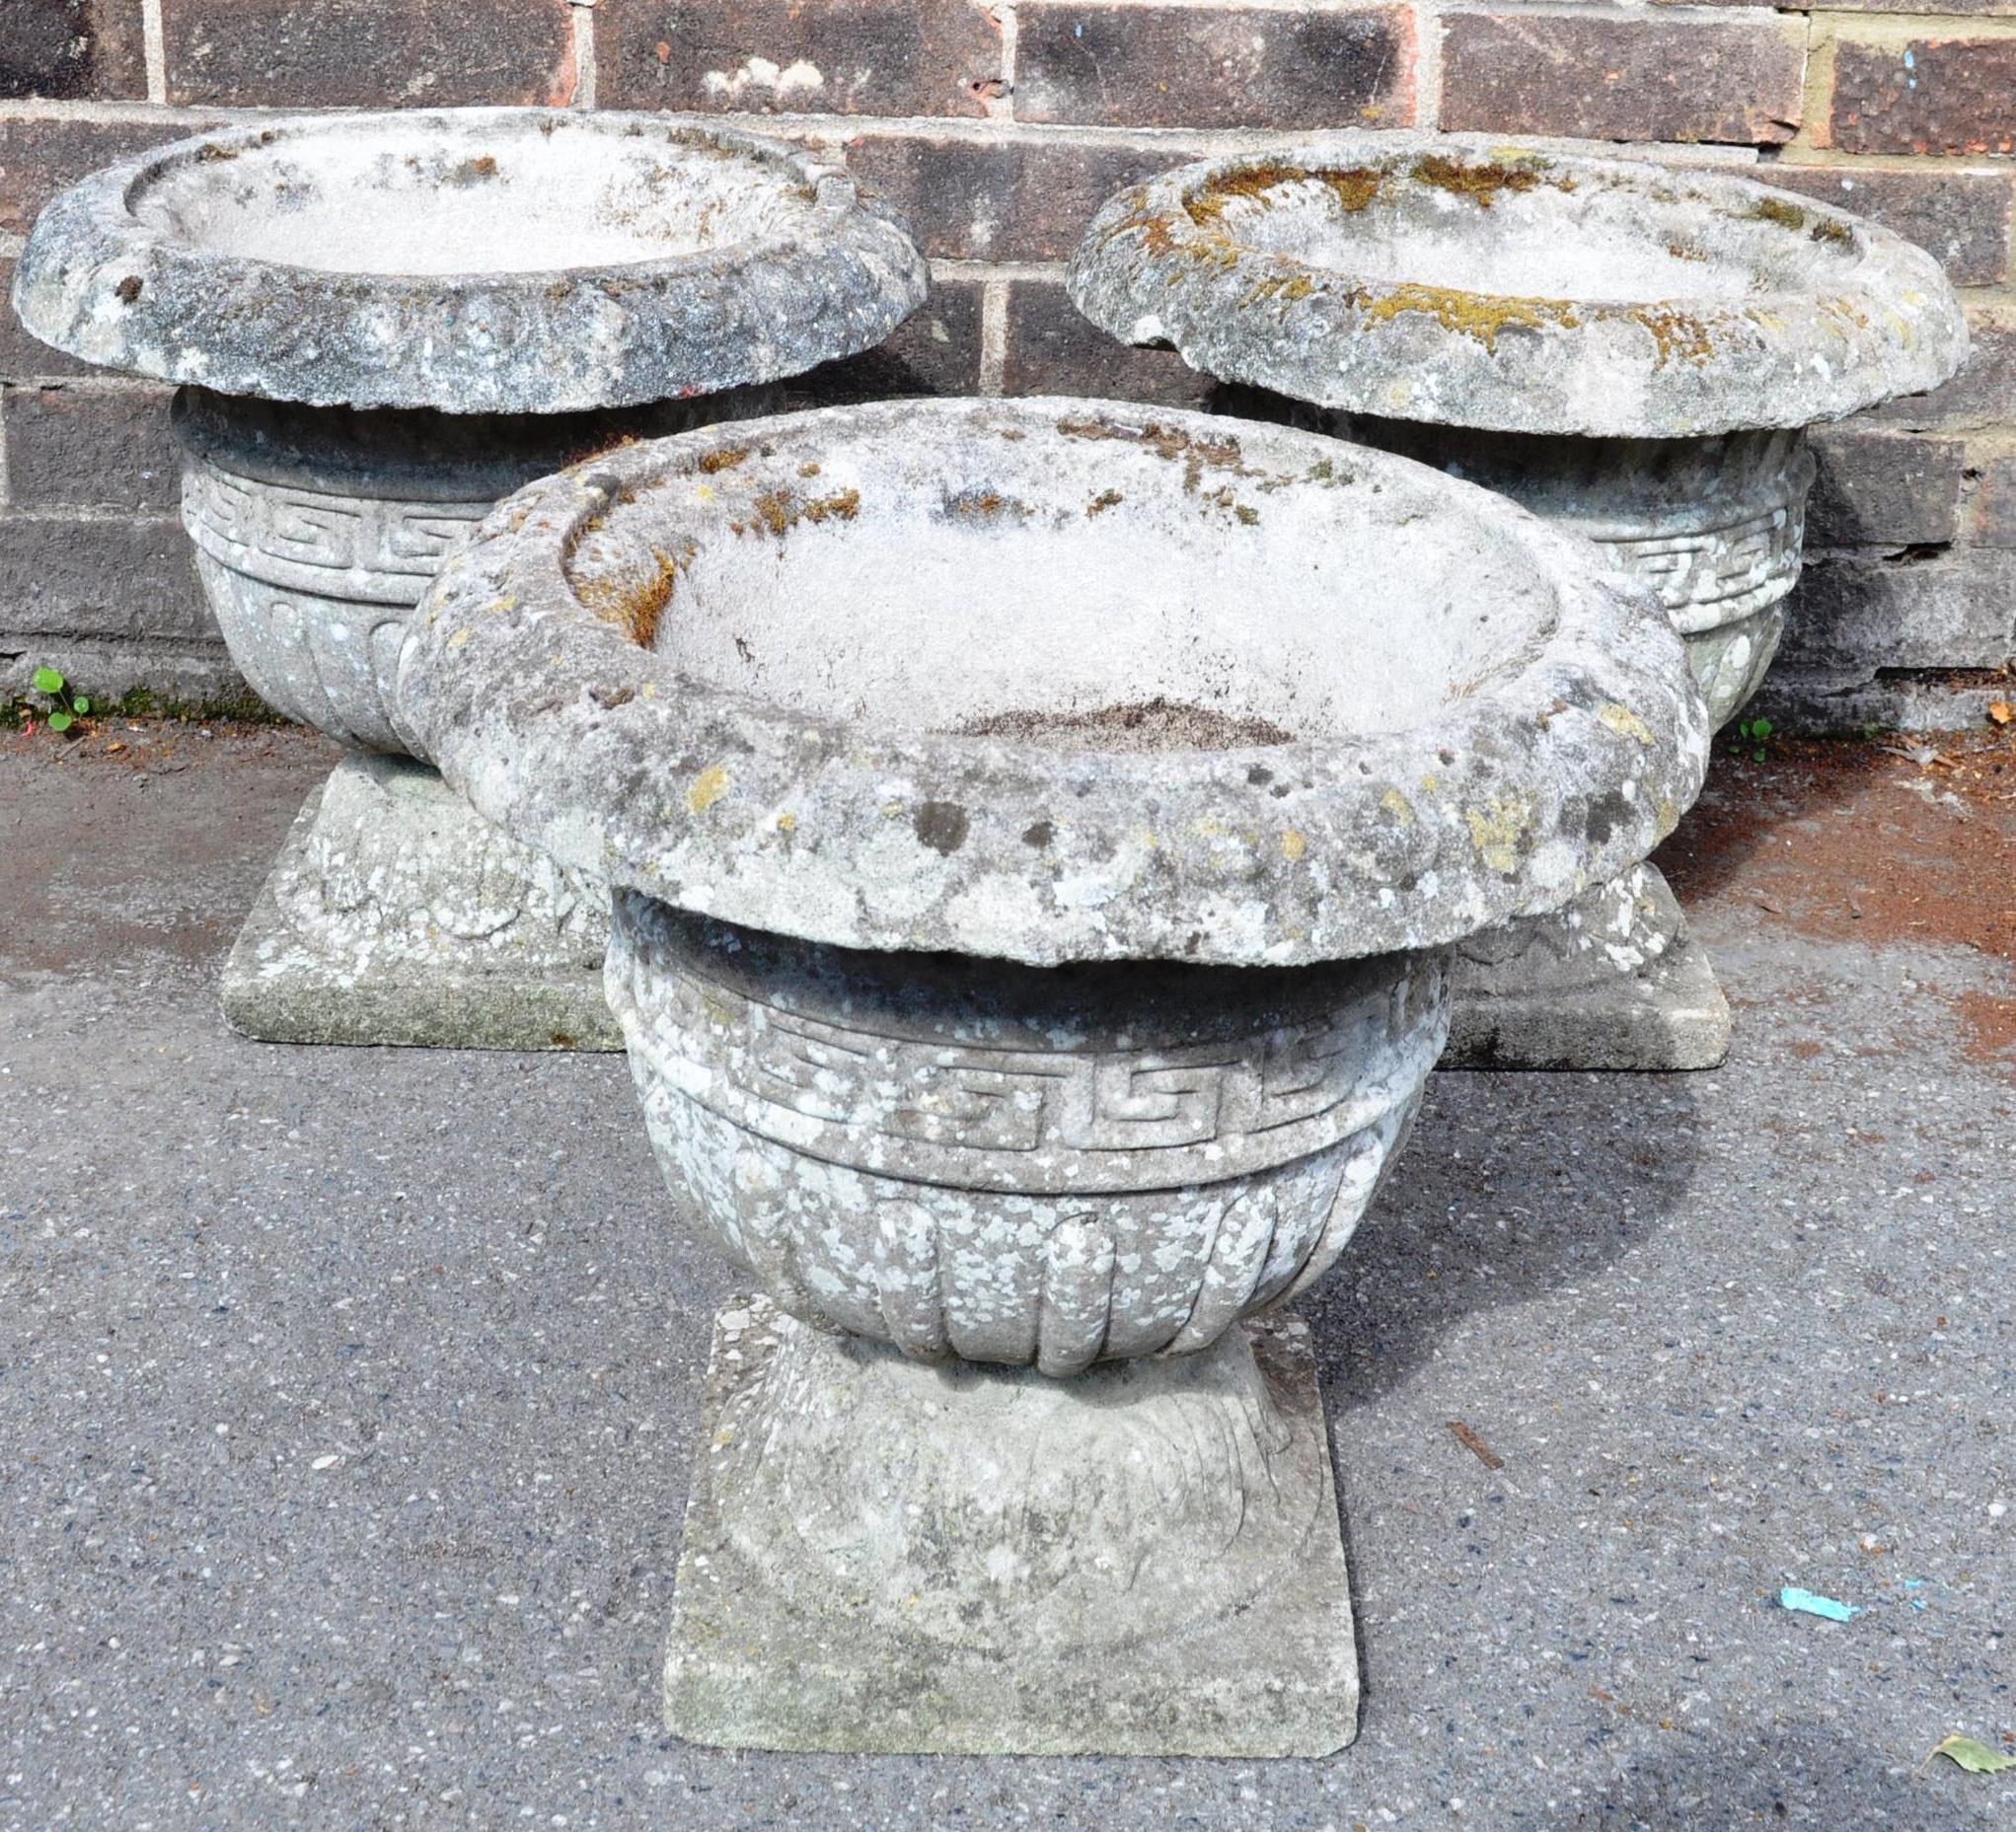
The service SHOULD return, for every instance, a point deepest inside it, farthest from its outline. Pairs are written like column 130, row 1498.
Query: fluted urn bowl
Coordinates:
column 1038, row 828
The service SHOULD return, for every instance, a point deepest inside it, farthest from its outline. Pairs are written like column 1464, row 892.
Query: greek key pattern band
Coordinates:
column 1718, row 574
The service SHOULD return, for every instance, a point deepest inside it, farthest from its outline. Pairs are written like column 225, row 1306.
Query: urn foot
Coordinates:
column 1614, row 980
column 889, row 1556
column 397, row 914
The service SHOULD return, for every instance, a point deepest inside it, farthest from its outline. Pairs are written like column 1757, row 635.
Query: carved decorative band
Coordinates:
column 1718, row 575
column 366, row 548
column 1026, row 1119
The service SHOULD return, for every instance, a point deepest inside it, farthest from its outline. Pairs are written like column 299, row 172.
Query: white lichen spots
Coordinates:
column 795, row 79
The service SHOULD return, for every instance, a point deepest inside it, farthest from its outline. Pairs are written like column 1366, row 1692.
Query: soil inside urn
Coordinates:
column 1156, row 724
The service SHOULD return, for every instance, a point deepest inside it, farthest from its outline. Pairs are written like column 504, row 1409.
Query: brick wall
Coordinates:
column 997, row 125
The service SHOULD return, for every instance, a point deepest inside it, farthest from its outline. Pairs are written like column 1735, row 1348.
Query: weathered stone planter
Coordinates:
column 1630, row 351
column 387, row 321
column 1035, row 868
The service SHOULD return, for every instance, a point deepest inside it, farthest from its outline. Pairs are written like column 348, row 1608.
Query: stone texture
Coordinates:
column 354, row 53
column 1613, row 982
column 72, row 50
column 902, row 792
column 1994, row 502
column 452, row 262
column 1981, row 394
column 395, row 914
column 1927, row 95
column 1610, row 73
column 186, row 671
column 1013, row 1165
column 1884, row 488
column 1962, row 218
column 798, row 57
column 24, row 358
column 89, row 447
column 1048, row 1598
column 1053, row 350
column 98, row 578
column 1421, row 278
column 1140, row 65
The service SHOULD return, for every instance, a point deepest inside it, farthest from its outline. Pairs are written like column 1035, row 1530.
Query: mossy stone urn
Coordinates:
column 383, row 323
column 1035, row 868
column 1632, row 352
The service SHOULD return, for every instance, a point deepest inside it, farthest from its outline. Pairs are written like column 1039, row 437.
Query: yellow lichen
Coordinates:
column 786, row 823
column 706, row 788
column 1624, row 723
column 1481, row 316
column 1495, row 831
column 1398, row 806
column 1293, row 844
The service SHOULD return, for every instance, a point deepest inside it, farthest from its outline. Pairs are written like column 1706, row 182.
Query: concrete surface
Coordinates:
column 347, row 1397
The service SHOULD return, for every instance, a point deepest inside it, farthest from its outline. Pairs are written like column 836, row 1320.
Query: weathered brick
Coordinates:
column 94, row 447
column 1611, row 74
column 40, row 157
column 1962, row 217
column 72, row 50
column 999, row 200
column 1929, row 95
column 1186, row 66
column 1994, row 502
column 1981, row 394
column 1853, row 615
column 817, row 56
column 350, row 53
column 1884, row 488
column 109, row 577
column 1052, row 350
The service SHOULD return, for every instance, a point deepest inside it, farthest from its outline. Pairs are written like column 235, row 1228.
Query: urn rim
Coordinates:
column 198, row 261
column 1469, row 281
column 1565, row 761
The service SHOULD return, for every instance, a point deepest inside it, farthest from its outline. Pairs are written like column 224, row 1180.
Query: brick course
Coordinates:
column 998, row 129
column 358, row 53
column 809, row 56
column 1187, row 66
column 1611, row 74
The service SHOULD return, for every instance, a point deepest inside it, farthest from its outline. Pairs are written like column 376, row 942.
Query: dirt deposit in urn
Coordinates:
column 1156, row 724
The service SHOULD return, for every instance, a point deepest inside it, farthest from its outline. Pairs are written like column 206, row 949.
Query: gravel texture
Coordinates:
column 349, row 1396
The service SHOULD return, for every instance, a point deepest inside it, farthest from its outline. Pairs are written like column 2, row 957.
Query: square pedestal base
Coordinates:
column 1563, row 1000
column 760, row 1662
column 353, row 938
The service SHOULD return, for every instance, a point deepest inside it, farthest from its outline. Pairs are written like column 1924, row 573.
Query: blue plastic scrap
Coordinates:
column 1792, row 1597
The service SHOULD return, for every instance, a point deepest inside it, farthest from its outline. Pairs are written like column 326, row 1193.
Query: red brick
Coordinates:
column 352, row 53
column 1052, row 350
column 1962, row 217
column 90, row 448
column 1927, row 96
column 1606, row 74
column 1188, row 66
column 999, row 200
column 72, row 50
column 40, row 158
column 1884, row 489
column 801, row 56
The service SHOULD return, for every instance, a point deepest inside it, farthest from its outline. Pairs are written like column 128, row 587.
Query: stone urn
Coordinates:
column 1633, row 352
column 385, row 322
column 1035, row 861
